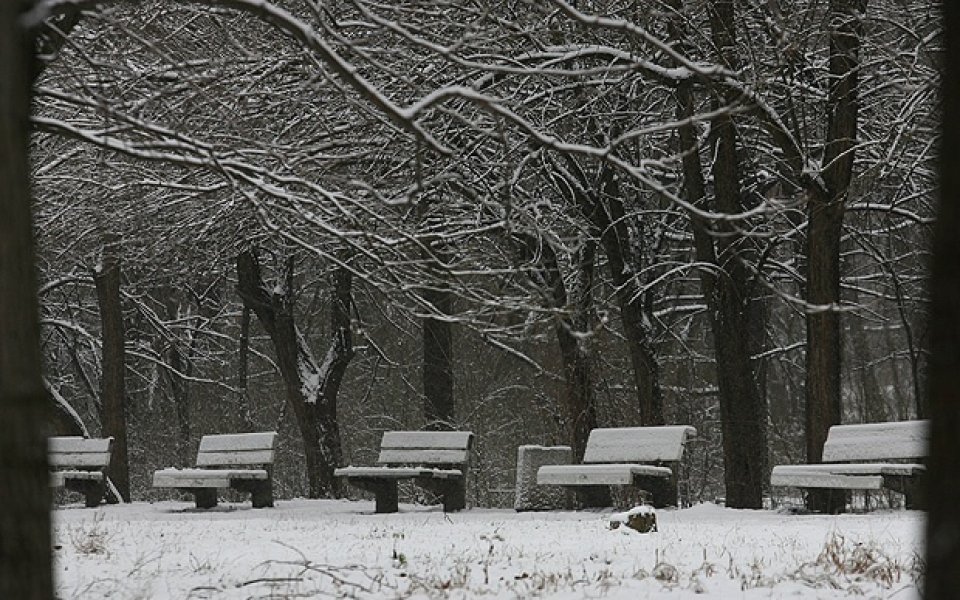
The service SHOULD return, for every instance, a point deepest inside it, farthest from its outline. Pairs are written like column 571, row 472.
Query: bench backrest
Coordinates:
column 425, row 447
column 237, row 449
column 75, row 452
column 637, row 444
column 876, row 441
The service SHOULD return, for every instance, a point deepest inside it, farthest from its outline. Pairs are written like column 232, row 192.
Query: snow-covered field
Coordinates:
column 321, row 548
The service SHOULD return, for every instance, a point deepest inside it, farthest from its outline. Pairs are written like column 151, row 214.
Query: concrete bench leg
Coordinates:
column 262, row 494
column 828, row 500
column 260, row 490
column 593, row 496
column 93, row 491
column 386, row 495
column 455, row 497
column 911, row 487
column 663, row 491
column 205, row 497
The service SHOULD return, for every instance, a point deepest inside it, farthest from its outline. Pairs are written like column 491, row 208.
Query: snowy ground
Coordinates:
column 320, row 548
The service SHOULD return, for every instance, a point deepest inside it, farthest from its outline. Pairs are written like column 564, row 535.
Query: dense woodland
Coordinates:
column 523, row 219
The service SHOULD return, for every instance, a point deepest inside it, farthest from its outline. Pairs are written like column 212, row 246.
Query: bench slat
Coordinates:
column 907, row 470
column 597, row 474
column 203, row 478
column 423, row 457
column 59, row 478
column 873, row 441
column 94, row 460
column 396, row 472
column 637, row 444
column 812, row 476
column 427, row 439
column 77, row 445
column 235, row 458
column 231, row 442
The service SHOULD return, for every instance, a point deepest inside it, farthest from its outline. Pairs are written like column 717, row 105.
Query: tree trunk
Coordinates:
column 179, row 388
column 106, row 276
column 606, row 214
column 943, row 485
column 438, row 393
column 743, row 411
column 824, row 229
column 25, row 563
column 311, row 391
column 243, row 379
column 572, row 326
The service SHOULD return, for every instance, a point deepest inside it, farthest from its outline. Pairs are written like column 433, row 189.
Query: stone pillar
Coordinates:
column 529, row 495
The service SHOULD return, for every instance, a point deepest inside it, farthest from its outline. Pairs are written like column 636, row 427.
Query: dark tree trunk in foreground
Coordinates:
column 824, row 229
column 25, row 565
column 311, row 391
column 943, row 524
column 106, row 276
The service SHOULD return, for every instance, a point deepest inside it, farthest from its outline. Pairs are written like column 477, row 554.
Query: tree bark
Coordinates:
column 311, row 390
column 610, row 218
column 179, row 388
column 824, row 229
column 438, row 391
column 943, row 485
column 106, row 276
column 243, row 379
column 729, row 299
column 604, row 209
column 25, row 557
column 572, row 326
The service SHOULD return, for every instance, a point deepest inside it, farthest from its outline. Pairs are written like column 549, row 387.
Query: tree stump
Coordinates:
column 640, row 518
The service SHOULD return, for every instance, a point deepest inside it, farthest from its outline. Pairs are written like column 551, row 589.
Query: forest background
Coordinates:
column 516, row 218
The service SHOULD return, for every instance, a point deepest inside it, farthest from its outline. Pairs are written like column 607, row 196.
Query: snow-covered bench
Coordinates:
column 435, row 460
column 227, row 461
column 646, row 458
column 876, row 445
column 78, row 464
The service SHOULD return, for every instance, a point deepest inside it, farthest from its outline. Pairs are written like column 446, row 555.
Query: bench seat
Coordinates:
column 204, row 478
column 897, row 441
column 397, row 472
column 60, row 478
column 598, row 474
column 645, row 458
column 849, row 476
column 435, row 460
column 79, row 464
column 239, row 461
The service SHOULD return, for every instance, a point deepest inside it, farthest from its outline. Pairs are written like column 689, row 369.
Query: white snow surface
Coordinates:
column 339, row 548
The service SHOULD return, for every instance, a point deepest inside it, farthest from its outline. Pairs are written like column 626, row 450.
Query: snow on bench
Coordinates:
column 435, row 460
column 898, row 440
column 643, row 457
column 78, row 464
column 226, row 461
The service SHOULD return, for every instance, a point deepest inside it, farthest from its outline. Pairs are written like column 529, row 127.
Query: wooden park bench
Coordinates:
column 864, row 457
column 78, row 464
column 241, row 461
column 646, row 458
column 435, row 460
